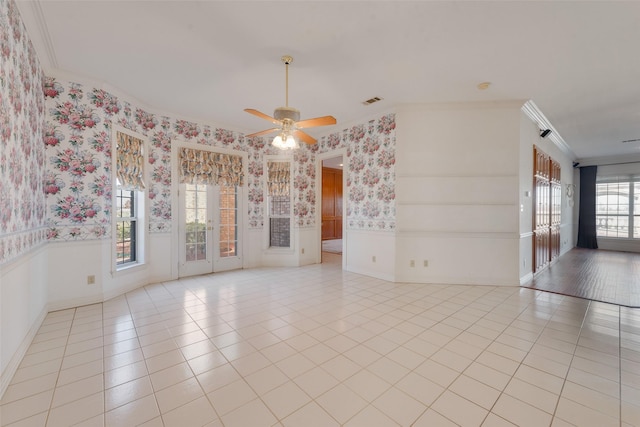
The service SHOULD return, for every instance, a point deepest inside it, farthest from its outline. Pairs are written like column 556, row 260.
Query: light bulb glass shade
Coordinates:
column 291, row 142
column 278, row 142
column 285, row 142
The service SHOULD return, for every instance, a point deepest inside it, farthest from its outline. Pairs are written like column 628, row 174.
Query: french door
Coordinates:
column 210, row 229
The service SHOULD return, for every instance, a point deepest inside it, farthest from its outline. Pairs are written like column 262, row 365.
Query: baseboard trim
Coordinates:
column 113, row 293
column 74, row 302
column 18, row 355
column 526, row 278
column 375, row 274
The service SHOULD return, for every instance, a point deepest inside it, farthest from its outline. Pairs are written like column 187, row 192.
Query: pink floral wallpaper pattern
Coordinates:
column 22, row 155
column 78, row 179
column 370, row 192
column 55, row 160
column 78, row 150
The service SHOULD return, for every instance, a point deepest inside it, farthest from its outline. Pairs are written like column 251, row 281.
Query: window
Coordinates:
column 126, row 227
column 129, row 207
column 618, row 209
column 279, row 221
column 279, row 203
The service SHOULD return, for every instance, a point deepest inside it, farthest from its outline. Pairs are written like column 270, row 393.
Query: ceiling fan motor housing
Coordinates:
column 282, row 113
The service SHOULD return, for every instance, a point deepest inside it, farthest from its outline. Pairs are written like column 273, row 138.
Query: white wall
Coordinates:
column 309, row 248
column 457, row 193
column 530, row 136
column 23, row 305
column 70, row 263
column 161, row 259
column 370, row 252
column 252, row 252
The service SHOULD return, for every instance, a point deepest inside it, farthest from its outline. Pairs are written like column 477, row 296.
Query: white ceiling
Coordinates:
column 208, row 60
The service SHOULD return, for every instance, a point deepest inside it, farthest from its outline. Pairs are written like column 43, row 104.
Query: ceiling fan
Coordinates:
column 288, row 120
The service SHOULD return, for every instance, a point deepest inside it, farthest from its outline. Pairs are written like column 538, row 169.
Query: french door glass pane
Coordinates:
column 196, row 222
column 228, row 221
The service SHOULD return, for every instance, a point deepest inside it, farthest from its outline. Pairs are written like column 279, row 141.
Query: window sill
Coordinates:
column 619, row 239
column 126, row 268
column 279, row 250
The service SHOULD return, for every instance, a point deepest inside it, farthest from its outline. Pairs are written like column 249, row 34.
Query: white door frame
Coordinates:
column 178, row 216
column 345, row 199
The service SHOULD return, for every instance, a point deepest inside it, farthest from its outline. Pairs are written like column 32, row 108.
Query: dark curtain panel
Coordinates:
column 587, row 215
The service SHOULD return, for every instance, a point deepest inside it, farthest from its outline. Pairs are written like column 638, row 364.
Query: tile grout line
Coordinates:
column 620, row 364
column 564, row 380
column 502, row 392
column 55, row 387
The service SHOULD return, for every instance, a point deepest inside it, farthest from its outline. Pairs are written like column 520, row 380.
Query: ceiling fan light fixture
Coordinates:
column 285, row 142
column 288, row 121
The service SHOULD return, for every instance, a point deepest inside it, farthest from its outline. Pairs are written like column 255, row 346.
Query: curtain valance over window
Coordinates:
column 207, row 167
column 129, row 161
column 279, row 177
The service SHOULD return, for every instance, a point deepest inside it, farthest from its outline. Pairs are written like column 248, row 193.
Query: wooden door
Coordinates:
column 331, row 203
column 555, row 213
column 547, row 197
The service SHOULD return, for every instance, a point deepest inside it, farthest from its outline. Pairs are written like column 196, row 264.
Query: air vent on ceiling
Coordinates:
column 631, row 140
column 372, row 100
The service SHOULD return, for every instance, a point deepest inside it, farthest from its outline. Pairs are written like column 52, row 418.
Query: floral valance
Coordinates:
column 207, row 167
column 129, row 161
column 279, row 178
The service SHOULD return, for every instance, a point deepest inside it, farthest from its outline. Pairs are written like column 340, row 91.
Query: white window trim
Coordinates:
column 267, row 228
column 142, row 231
column 627, row 180
column 176, row 144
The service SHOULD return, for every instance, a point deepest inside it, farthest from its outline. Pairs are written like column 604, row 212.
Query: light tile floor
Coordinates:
column 316, row 346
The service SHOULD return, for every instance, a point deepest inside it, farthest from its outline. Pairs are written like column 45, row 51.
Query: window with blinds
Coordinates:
column 279, row 203
column 618, row 207
column 129, row 212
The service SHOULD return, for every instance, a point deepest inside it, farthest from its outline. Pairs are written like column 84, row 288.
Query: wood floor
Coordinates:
column 607, row 276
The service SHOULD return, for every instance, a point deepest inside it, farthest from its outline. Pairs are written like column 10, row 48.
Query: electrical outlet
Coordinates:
column 302, row 251
column 425, row 263
column 412, row 263
column 91, row 280
column 373, row 258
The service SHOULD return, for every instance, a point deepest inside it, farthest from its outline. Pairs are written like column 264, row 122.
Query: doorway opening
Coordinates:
column 332, row 210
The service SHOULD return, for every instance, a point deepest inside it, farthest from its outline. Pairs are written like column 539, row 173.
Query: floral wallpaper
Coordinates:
column 22, row 155
column 55, row 159
column 370, row 192
column 78, row 185
column 78, row 152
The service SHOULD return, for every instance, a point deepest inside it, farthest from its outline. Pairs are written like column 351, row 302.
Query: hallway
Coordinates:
column 598, row 275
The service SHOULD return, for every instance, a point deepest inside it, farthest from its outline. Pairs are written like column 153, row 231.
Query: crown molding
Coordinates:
column 533, row 112
column 33, row 18
column 516, row 103
column 610, row 160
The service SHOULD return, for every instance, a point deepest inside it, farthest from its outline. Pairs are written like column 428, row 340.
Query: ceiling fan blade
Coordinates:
column 262, row 132
column 304, row 137
column 318, row 121
column 263, row 116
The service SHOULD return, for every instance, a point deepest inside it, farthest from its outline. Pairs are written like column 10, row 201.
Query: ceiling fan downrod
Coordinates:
column 287, row 60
